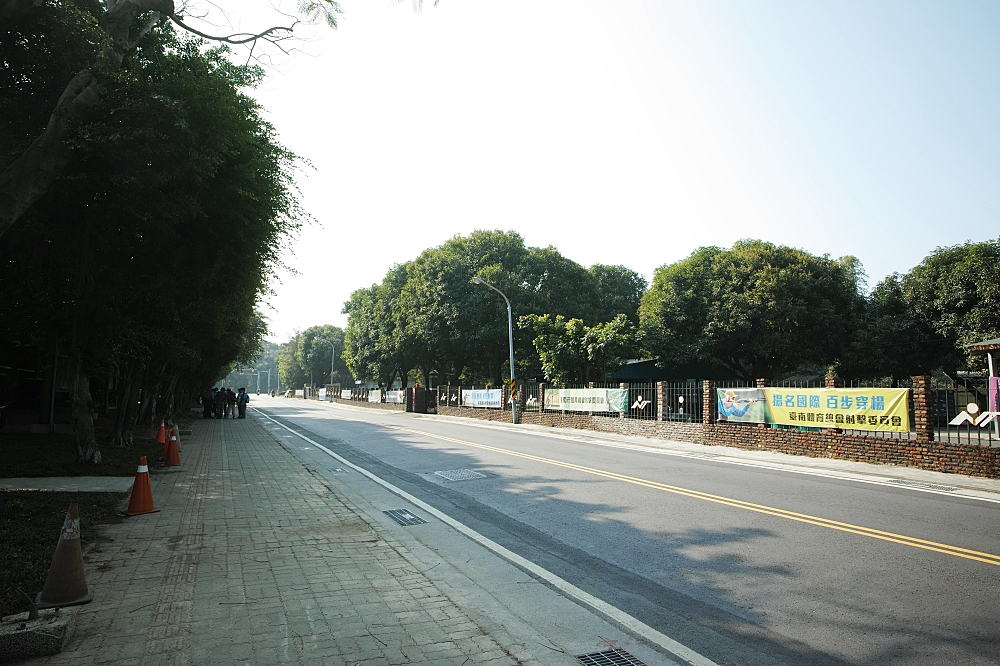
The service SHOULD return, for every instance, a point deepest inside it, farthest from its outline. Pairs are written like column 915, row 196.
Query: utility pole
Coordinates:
column 510, row 337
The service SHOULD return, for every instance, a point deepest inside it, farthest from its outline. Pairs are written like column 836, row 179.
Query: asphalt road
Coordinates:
column 744, row 565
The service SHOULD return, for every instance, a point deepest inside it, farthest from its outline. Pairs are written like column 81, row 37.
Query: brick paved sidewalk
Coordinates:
column 255, row 560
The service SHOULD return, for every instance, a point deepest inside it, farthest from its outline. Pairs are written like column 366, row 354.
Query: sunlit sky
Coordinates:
column 632, row 132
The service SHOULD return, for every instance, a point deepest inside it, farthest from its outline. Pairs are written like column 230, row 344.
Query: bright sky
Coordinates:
column 634, row 131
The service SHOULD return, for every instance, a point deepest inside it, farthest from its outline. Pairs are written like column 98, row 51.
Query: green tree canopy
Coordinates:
column 289, row 370
column 427, row 315
column 313, row 353
column 955, row 291
column 892, row 339
column 619, row 291
column 149, row 258
column 755, row 310
column 85, row 45
column 570, row 351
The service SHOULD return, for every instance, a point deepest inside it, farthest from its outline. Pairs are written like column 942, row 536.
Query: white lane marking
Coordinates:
column 606, row 609
column 964, row 493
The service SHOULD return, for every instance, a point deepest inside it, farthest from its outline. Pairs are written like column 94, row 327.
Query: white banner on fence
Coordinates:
column 322, row 394
column 492, row 398
column 395, row 397
column 345, row 394
column 374, row 395
column 587, row 400
column 299, row 393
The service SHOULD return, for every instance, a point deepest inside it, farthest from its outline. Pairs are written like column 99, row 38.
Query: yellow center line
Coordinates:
column 956, row 551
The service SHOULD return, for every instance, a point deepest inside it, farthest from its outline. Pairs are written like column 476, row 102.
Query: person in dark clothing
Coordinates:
column 230, row 402
column 220, row 404
column 242, row 398
column 207, row 403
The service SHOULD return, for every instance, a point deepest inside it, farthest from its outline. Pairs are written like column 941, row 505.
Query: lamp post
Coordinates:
column 333, row 351
column 510, row 337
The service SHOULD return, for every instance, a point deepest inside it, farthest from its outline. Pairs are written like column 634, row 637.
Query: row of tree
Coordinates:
column 145, row 253
column 753, row 310
column 427, row 315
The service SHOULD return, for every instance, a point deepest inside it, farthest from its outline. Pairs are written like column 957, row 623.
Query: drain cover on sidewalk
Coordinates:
column 460, row 474
column 404, row 517
column 609, row 658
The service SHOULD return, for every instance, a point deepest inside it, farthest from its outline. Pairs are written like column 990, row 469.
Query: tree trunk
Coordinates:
column 147, row 408
column 128, row 407
column 28, row 178
column 82, row 404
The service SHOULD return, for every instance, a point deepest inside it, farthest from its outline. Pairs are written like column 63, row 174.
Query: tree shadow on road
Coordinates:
column 724, row 581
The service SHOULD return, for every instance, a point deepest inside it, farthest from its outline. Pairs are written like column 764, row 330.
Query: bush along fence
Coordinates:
column 950, row 427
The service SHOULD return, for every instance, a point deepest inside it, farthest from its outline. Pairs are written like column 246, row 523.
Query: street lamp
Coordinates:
column 510, row 337
column 332, row 352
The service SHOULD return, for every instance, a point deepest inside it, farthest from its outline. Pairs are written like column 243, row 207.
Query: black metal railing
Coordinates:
column 960, row 412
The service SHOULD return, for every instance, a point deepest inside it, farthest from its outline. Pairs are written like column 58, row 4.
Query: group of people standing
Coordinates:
column 221, row 403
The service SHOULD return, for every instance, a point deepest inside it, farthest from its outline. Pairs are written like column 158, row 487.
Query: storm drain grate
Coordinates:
column 460, row 474
column 924, row 486
column 336, row 470
column 404, row 517
column 609, row 658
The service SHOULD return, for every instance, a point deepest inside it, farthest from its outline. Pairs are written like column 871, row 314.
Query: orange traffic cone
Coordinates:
column 160, row 438
column 65, row 584
column 166, row 443
column 141, row 500
column 172, row 456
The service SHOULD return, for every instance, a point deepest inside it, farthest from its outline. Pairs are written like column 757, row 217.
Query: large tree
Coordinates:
column 755, row 310
column 955, row 291
column 892, row 339
column 88, row 43
column 429, row 316
column 148, row 259
column 619, row 291
column 313, row 353
column 570, row 351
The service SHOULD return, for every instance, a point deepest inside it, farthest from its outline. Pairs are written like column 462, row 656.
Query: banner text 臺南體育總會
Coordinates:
column 885, row 409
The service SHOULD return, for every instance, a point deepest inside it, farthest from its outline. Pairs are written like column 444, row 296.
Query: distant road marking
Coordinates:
column 617, row 615
column 956, row 551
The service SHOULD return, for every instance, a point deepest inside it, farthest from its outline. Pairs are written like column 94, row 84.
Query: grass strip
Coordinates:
column 30, row 522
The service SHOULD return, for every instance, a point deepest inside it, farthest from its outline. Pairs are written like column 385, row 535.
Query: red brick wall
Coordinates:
column 936, row 456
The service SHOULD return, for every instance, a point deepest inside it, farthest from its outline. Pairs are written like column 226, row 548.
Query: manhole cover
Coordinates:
column 336, row 470
column 460, row 474
column 404, row 517
column 924, row 486
column 609, row 658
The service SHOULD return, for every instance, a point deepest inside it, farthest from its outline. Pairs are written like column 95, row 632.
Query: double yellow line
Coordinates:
column 934, row 546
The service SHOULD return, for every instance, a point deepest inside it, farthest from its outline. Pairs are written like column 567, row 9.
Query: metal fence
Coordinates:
column 682, row 402
column 531, row 399
column 682, row 399
column 965, row 400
